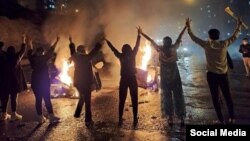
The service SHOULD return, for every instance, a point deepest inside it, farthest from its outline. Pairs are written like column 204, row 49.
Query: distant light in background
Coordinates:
column 159, row 41
column 185, row 49
column 76, row 10
column 190, row 2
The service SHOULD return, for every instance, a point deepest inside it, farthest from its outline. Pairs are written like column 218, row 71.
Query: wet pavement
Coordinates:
column 151, row 126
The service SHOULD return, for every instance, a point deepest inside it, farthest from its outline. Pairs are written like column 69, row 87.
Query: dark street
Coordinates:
column 151, row 126
column 127, row 70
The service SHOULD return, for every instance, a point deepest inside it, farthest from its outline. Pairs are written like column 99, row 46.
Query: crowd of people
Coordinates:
column 172, row 94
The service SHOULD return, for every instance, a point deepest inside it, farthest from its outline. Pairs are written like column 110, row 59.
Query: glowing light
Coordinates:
column 149, row 78
column 64, row 75
column 190, row 2
column 99, row 65
column 147, row 52
column 76, row 10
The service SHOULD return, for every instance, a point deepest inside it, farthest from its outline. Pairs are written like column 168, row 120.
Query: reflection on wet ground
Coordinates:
column 151, row 125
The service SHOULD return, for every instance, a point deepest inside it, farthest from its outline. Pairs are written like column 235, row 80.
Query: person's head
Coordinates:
column 40, row 51
column 11, row 50
column 126, row 49
column 214, row 34
column 167, row 42
column 81, row 49
column 1, row 45
column 245, row 41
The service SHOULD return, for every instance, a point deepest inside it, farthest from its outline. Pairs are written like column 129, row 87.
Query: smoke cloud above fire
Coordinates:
column 116, row 19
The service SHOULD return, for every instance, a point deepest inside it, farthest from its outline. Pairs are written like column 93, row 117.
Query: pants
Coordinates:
column 216, row 81
column 172, row 98
column 43, row 95
column 246, row 61
column 85, row 96
column 125, row 83
column 5, row 99
column 173, row 101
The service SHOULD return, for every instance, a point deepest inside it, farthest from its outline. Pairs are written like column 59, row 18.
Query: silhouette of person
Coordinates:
column 83, row 77
column 245, row 51
column 128, row 76
column 172, row 98
column 40, row 79
column 2, row 77
column 12, row 80
column 217, row 67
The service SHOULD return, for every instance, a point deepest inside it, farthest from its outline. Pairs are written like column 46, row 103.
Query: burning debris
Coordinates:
column 147, row 77
column 66, row 88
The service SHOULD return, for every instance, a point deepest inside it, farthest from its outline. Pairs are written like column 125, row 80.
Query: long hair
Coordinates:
column 167, row 44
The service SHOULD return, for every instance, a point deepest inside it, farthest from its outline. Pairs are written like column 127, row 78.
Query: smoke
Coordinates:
column 116, row 19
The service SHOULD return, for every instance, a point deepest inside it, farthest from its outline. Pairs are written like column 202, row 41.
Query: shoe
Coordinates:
column 5, row 116
column 77, row 115
column 89, row 124
column 41, row 119
column 135, row 122
column 231, row 121
column 16, row 116
column 218, row 122
column 170, row 121
column 53, row 118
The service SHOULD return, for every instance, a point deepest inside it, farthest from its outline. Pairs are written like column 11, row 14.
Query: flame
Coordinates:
column 149, row 78
column 146, row 50
column 64, row 75
column 147, row 53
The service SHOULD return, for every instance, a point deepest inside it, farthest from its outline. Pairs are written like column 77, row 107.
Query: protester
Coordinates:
column 217, row 67
column 172, row 98
column 128, row 76
column 2, row 74
column 40, row 82
column 83, row 77
column 245, row 51
column 11, row 80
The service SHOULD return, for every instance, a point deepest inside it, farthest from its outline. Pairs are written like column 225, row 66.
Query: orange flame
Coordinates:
column 147, row 53
column 64, row 75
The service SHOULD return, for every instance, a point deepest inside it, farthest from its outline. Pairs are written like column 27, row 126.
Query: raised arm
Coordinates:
column 178, row 41
column 153, row 43
column 235, row 35
column 116, row 52
column 23, row 47
column 193, row 37
column 55, row 43
column 72, row 46
column 50, row 52
column 29, row 44
column 95, row 50
column 137, row 45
